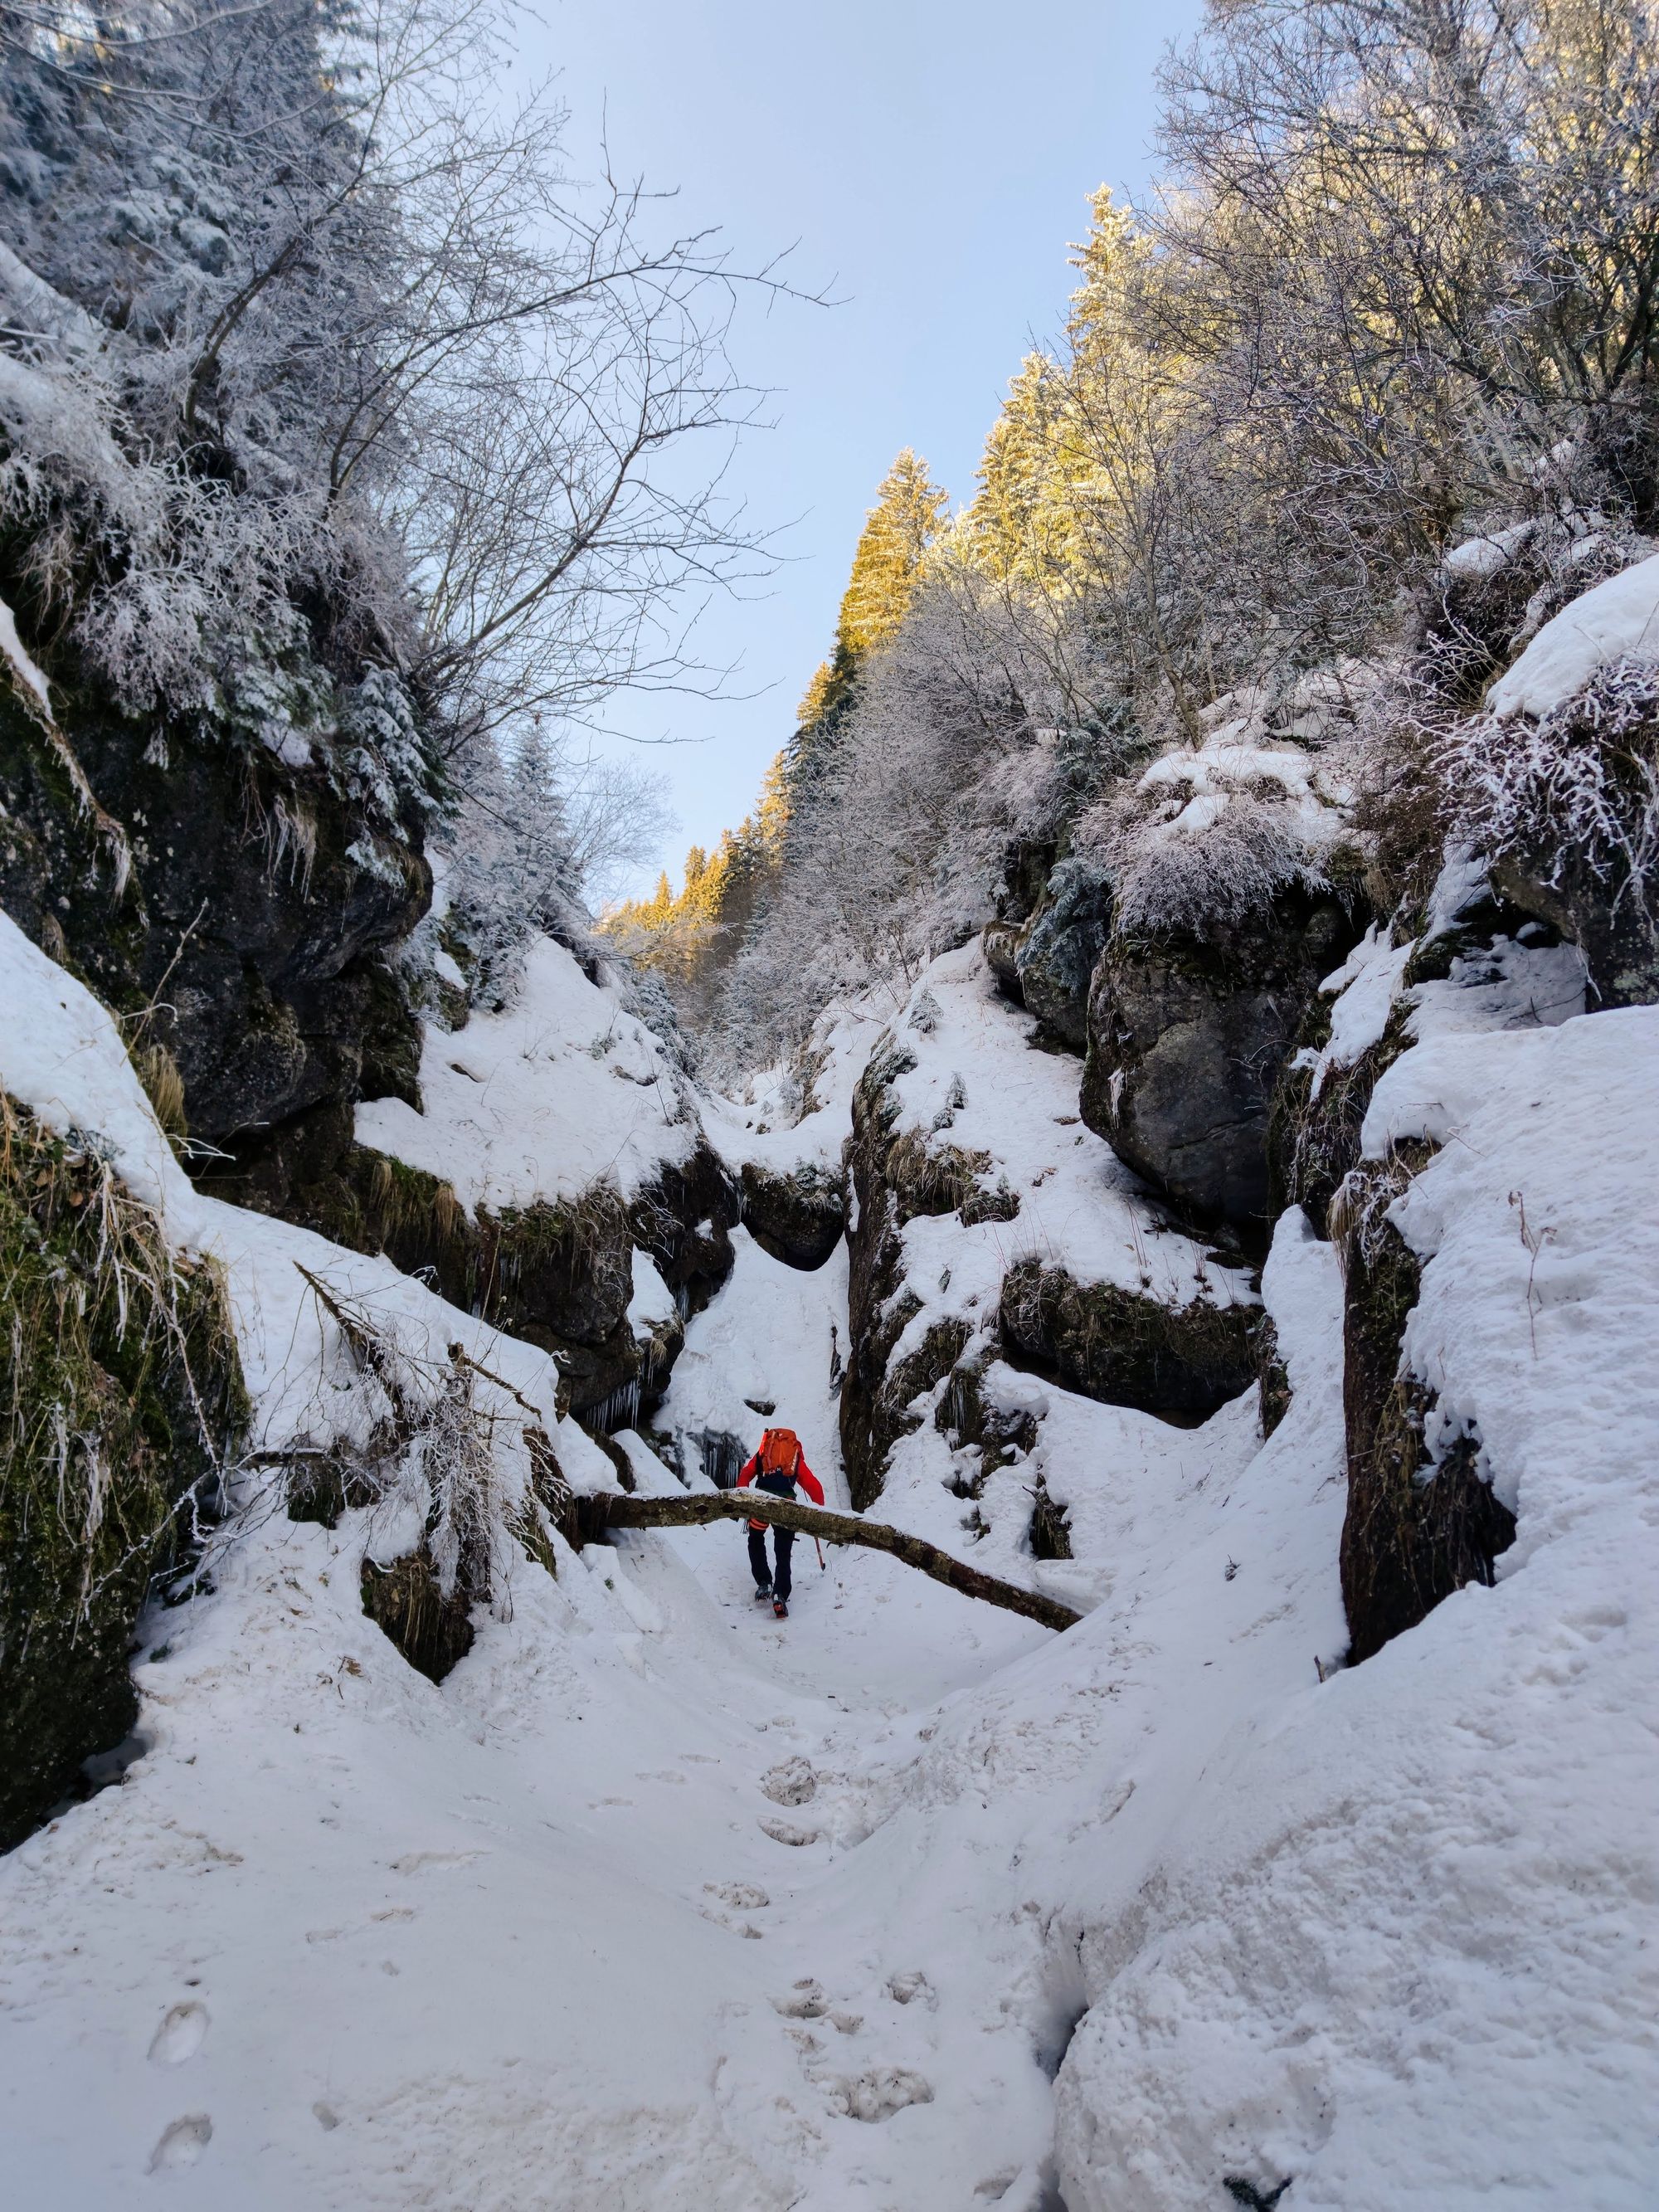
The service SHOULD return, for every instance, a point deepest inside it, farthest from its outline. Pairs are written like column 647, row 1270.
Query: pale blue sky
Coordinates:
column 932, row 160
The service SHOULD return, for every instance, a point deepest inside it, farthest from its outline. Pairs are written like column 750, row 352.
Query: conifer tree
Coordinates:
column 887, row 560
column 1006, row 531
column 689, row 936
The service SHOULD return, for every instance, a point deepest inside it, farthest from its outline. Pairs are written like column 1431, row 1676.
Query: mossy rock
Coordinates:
column 122, row 1396
column 1413, row 1532
column 405, row 1599
column 1048, row 1532
column 928, row 1178
column 867, row 1441
column 1272, row 1377
column 1313, row 1143
column 969, row 1420
column 559, row 1274
column 1181, row 1361
column 798, row 1217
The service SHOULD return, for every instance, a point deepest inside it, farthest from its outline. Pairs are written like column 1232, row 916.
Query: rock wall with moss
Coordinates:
column 120, row 1397
column 233, row 894
column 559, row 1274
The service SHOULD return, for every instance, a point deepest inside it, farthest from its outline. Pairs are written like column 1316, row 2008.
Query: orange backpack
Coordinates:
column 780, row 1452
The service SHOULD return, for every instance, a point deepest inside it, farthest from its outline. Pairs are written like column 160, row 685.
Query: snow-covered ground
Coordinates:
column 908, row 1903
column 655, row 1902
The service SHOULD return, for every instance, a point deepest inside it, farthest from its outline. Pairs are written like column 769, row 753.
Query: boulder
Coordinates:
column 1062, row 945
column 1180, row 1362
column 1186, row 1040
column 798, row 1218
column 1046, row 961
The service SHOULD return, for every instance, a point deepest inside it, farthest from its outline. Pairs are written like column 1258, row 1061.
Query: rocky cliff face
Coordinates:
column 889, row 1184
column 1188, row 1037
column 986, row 1222
column 560, row 1273
column 246, row 948
column 1418, row 1525
column 122, row 1391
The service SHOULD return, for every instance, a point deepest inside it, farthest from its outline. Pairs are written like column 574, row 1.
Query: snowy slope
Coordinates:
column 1404, row 1947
column 562, row 1089
column 781, row 1125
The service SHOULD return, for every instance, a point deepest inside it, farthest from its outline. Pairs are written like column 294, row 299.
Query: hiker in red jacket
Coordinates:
column 777, row 1467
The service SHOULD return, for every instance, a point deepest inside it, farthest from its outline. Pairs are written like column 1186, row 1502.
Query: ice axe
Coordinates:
column 823, row 1562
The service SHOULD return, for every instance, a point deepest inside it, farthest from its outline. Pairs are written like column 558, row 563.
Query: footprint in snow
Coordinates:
column 807, row 2000
column 180, row 2036
column 783, row 1832
column 912, row 1989
column 746, row 1929
column 791, row 1782
column 182, row 2142
column 879, row 2093
column 434, row 1861
column 744, row 1894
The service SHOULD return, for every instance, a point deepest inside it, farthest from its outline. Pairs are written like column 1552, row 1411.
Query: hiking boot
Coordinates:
column 781, row 1606
column 763, row 1590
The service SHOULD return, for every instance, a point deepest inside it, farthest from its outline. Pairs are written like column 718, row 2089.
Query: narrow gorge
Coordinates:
column 1159, row 1095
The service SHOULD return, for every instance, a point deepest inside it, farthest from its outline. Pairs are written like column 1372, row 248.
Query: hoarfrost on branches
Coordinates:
column 1581, row 783
column 1207, row 835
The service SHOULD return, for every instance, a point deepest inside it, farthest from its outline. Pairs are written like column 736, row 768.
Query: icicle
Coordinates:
column 618, row 1409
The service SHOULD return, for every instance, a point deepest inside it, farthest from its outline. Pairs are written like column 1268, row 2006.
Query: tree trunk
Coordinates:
column 604, row 1509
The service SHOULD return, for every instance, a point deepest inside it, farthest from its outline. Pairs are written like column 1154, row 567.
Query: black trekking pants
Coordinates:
column 783, row 1542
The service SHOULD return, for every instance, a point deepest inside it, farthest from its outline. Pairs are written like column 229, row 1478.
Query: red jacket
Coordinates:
column 803, row 1474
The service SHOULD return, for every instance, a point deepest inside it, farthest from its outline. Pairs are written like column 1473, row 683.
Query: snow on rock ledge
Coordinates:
column 1402, row 1947
column 972, row 1171
column 1616, row 620
column 562, row 1089
column 61, row 1055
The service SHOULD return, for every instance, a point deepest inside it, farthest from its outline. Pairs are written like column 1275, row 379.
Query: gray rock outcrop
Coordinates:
column 1187, row 1038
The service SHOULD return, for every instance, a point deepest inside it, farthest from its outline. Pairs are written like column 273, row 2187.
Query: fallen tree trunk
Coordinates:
column 599, row 1511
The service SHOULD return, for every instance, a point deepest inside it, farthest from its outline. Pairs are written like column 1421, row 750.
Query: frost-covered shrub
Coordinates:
column 963, row 735
column 1206, row 836
column 1581, row 783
